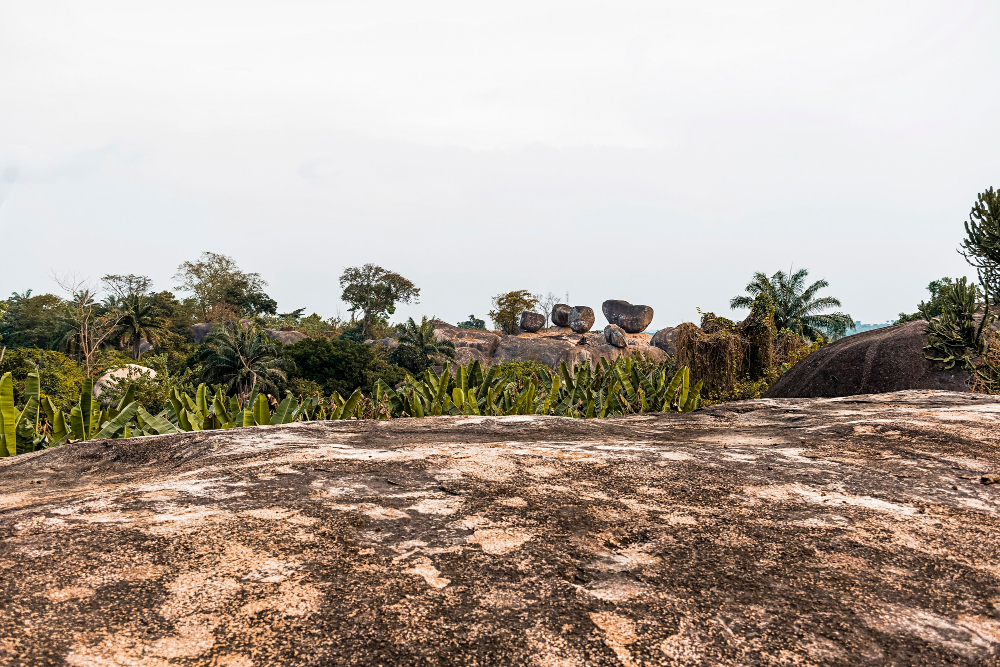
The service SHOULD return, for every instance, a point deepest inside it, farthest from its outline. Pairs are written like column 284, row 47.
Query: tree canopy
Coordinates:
column 375, row 292
column 221, row 291
column 796, row 306
column 507, row 309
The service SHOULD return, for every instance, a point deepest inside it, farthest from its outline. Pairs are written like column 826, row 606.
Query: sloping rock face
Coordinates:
column 286, row 337
column 882, row 360
column 817, row 531
column 550, row 347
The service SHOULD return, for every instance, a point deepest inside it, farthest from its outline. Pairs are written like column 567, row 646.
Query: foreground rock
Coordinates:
column 843, row 531
column 633, row 319
column 882, row 360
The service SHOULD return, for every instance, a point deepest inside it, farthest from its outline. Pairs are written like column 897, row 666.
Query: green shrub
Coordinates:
column 59, row 377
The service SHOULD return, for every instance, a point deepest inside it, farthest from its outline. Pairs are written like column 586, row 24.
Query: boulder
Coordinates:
column 614, row 335
column 531, row 322
column 664, row 339
column 633, row 319
column 560, row 315
column 286, row 337
column 200, row 331
column 547, row 350
column 127, row 372
column 871, row 362
column 581, row 319
column 784, row 531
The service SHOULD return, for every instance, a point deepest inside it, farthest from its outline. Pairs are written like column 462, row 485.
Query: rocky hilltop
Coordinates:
column 546, row 346
column 779, row 531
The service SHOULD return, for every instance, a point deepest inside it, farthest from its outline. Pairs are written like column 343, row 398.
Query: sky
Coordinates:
column 657, row 152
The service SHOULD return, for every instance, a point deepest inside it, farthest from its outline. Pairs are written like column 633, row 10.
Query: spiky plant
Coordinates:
column 241, row 356
column 796, row 306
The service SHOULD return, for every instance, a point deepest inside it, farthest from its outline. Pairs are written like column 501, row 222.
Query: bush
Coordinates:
column 338, row 365
column 59, row 377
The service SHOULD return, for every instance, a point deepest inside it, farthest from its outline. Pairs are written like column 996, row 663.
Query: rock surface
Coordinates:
column 531, row 322
column 614, row 335
column 664, row 339
column 817, row 531
column 130, row 371
column 633, row 319
column 560, row 315
column 286, row 337
column 882, row 360
column 581, row 319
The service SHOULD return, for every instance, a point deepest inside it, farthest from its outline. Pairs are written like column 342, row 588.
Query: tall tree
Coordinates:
column 87, row 325
column 240, row 356
column 139, row 319
column 796, row 306
column 507, row 309
column 375, row 292
column 31, row 320
column 222, row 291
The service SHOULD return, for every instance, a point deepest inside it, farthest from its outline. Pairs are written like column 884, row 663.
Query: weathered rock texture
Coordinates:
column 822, row 531
column 614, row 335
column 633, row 319
column 531, row 322
column 882, row 360
column 581, row 319
column 547, row 346
column 560, row 315
column 664, row 339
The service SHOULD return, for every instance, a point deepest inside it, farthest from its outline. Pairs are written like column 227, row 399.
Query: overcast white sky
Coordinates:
column 656, row 152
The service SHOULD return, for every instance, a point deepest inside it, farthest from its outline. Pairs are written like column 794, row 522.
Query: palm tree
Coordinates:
column 241, row 356
column 421, row 338
column 796, row 307
column 138, row 319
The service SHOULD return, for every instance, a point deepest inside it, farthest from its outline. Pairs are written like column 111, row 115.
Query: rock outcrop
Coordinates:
column 633, row 319
column 560, row 315
column 531, row 322
column 127, row 372
column 581, row 319
column 614, row 335
column 881, row 360
column 664, row 339
column 285, row 336
column 820, row 531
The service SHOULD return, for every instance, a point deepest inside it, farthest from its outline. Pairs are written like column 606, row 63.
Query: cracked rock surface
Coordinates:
column 845, row 531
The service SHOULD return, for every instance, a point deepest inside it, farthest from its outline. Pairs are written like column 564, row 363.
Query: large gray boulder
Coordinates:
column 547, row 350
column 531, row 322
column 664, row 339
column 286, row 337
column 872, row 362
column 200, row 331
column 633, row 319
column 560, row 315
column 614, row 335
column 581, row 319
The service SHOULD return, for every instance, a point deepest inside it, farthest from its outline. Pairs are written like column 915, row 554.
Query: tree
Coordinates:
column 124, row 286
column 507, row 309
column 139, row 319
column 419, row 348
column 241, row 356
column 86, row 324
column 796, row 307
column 473, row 323
column 545, row 305
column 31, row 321
column 375, row 292
column 933, row 307
column 981, row 246
column 222, row 292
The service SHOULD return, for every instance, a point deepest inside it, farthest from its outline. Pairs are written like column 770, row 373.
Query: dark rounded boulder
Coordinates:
column 560, row 314
column 664, row 339
column 615, row 335
column 581, row 319
column 633, row 319
column 872, row 362
column 531, row 322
